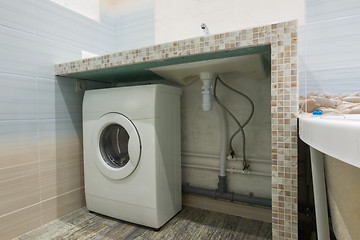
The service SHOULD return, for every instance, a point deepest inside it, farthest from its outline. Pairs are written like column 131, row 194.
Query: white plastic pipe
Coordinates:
column 224, row 138
column 321, row 209
column 229, row 170
column 206, row 78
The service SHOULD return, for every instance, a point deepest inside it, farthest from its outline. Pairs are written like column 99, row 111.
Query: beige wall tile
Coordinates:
column 60, row 175
column 60, row 137
column 18, row 144
column 20, row 222
column 53, row 148
column 59, row 206
column 19, row 187
column 18, row 153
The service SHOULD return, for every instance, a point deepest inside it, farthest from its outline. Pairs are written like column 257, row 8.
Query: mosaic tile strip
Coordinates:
column 284, row 100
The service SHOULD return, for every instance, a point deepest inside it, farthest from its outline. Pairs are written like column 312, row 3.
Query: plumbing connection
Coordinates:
column 240, row 126
column 206, row 79
column 208, row 99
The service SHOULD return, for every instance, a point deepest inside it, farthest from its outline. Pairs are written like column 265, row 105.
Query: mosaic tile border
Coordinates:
column 284, row 100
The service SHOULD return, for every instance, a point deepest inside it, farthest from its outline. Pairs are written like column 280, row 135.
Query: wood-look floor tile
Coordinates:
column 190, row 223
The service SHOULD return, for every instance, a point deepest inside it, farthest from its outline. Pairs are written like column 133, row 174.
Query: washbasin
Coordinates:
column 336, row 136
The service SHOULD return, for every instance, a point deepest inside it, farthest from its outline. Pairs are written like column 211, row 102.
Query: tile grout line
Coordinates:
column 329, row 68
column 32, row 205
column 19, row 165
column 60, row 195
column 332, row 20
column 37, row 114
column 35, row 119
column 33, row 34
column 29, row 163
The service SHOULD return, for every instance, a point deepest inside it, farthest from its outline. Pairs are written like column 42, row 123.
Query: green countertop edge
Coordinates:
column 139, row 71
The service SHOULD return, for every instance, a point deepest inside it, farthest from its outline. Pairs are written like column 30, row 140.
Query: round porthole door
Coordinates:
column 117, row 145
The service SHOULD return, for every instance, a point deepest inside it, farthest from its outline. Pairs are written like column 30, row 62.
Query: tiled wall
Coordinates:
column 134, row 24
column 330, row 48
column 41, row 169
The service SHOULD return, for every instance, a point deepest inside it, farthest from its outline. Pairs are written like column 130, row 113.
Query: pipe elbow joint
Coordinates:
column 206, row 78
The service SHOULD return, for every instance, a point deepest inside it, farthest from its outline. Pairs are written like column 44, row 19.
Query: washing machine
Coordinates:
column 132, row 158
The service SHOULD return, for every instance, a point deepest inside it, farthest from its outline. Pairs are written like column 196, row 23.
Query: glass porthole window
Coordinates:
column 113, row 143
column 117, row 145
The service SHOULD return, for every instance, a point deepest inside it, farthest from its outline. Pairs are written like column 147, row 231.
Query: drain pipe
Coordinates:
column 234, row 197
column 206, row 78
column 222, row 186
column 221, row 192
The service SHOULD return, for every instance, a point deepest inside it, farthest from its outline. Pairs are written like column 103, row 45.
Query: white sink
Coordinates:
column 336, row 136
column 185, row 73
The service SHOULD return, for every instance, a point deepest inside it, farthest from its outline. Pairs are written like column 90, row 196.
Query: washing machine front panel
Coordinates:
column 117, row 145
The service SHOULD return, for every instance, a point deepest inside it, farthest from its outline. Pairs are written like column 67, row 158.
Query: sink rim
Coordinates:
column 336, row 136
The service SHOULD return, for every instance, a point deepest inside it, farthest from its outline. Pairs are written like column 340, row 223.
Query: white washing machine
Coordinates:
column 132, row 153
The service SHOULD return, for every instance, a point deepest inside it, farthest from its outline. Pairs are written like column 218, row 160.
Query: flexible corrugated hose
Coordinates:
column 241, row 126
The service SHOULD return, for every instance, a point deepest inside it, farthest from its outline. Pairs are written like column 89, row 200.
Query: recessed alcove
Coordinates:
column 278, row 45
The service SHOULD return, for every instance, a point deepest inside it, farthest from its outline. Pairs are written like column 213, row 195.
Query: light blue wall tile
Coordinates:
column 333, row 43
column 17, row 52
column 331, row 46
column 40, row 115
column 107, row 39
column 58, row 99
column 301, row 59
column 18, row 143
column 17, row 97
column 135, row 27
column 59, row 138
column 60, row 128
column 17, row 14
column 334, row 81
column 65, row 26
column 320, row 10
column 302, row 83
column 106, row 30
column 49, row 52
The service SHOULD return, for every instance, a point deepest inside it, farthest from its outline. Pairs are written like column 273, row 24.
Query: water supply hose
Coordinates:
column 241, row 126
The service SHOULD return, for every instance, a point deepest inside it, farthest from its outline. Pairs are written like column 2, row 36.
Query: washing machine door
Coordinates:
column 117, row 145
